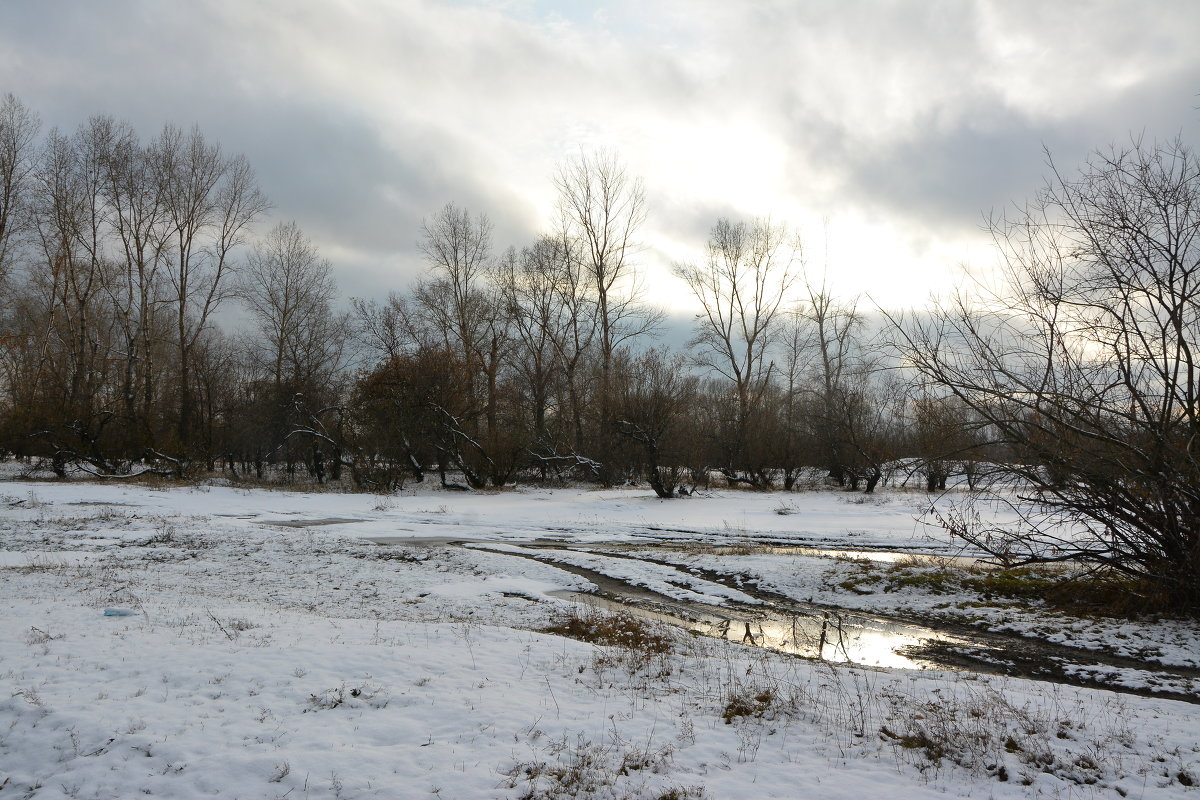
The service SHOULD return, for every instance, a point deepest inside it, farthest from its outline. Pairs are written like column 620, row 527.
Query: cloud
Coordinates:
column 903, row 120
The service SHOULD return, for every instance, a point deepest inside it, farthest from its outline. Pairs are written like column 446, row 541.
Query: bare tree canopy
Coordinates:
column 18, row 130
column 743, row 288
column 458, row 248
column 603, row 207
column 290, row 292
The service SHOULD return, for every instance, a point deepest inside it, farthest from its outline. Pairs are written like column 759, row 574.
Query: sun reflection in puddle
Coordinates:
column 826, row 635
column 829, row 638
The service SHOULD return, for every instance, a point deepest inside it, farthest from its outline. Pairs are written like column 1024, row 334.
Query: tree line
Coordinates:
column 535, row 362
column 1073, row 378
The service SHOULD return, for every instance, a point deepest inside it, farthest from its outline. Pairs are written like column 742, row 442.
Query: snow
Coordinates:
column 827, row 519
column 820, row 580
column 661, row 579
column 266, row 660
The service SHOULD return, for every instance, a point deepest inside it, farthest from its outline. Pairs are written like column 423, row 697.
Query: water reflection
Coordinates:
column 878, row 556
column 830, row 637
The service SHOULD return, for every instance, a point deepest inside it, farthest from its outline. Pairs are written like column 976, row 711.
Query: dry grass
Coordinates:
column 1055, row 587
column 753, row 701
column 984, row 732
column 580, row 769
column 612, row 630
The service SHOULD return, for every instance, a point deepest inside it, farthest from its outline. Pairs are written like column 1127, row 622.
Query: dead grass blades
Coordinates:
column 611, row 630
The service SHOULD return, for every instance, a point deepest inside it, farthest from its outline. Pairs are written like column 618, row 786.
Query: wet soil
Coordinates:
column 813, row 630
column 308, row 523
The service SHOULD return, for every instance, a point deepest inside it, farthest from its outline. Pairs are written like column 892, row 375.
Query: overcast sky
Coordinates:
column 883, row 131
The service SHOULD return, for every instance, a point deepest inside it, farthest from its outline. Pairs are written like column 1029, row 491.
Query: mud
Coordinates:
column 831, row 633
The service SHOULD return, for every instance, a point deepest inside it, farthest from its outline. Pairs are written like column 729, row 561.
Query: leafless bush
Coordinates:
column 1084, row 365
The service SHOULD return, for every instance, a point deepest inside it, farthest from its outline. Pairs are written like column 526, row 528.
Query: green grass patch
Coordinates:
column 1088, row 594
column 1019, row 583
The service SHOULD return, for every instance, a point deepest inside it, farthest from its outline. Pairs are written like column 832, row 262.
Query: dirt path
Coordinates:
column 918, row 641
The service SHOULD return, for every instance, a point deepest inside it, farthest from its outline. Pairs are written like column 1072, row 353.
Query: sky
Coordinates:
column 884, row 133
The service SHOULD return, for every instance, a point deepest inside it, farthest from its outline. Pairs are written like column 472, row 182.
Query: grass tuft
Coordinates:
column 611, row 630
column 748, row 702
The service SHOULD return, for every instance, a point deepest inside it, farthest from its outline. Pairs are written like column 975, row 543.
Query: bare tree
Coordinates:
column 743, row 287
column 297, row 348
column 211, row 200
column 289, row 290
column 555, row 318
column 458, row 248
column 869, row 418
column 527, row 283
column 655, row 392
column 140, row 226
column 834, row 328
column 603, row 207
column 388, row 330
column 18, row 133
column 792, row 449
column 461, row 302
column 394, row 420
column 1084, row 362
column 943, row 437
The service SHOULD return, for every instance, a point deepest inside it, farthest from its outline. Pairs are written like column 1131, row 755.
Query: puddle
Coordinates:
column 841, row 635
column 308, row 523
column 825, row 635
column 819, row 633
column 879, row 556
column 834, row 637
column 741, row 549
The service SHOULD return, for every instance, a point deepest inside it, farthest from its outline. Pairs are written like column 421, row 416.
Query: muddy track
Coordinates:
column 993, row 652
column 974, row 649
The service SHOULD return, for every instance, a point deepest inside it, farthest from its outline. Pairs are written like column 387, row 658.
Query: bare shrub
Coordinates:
column 1084, row 365
column 749, row 701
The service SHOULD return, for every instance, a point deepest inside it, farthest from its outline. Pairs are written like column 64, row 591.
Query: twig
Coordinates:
column 213, row 617
column 557, row 710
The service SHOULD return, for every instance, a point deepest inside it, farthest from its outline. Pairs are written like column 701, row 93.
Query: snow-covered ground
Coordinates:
column 273, row 651
column 834, row 519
